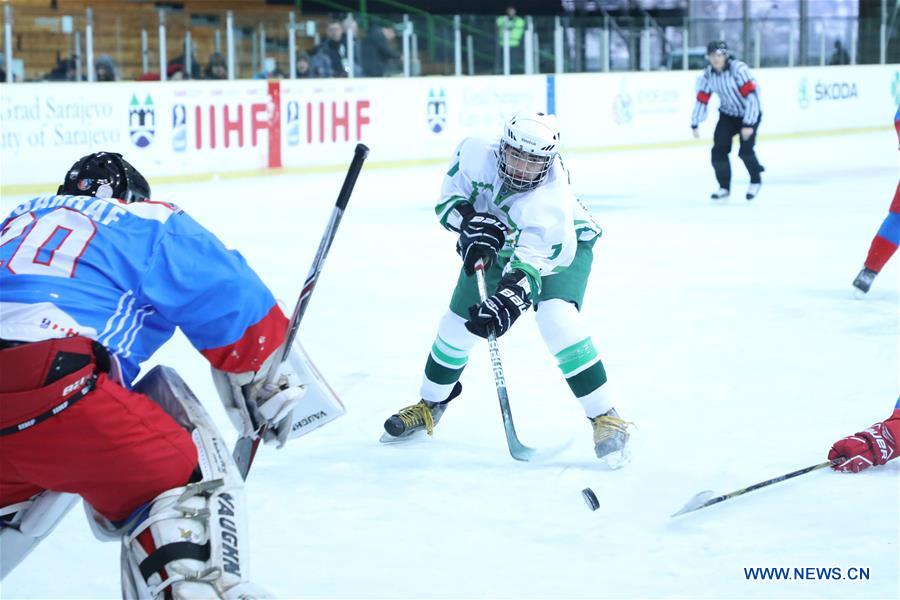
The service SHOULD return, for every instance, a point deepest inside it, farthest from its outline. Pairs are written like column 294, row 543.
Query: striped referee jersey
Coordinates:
column 736, row 89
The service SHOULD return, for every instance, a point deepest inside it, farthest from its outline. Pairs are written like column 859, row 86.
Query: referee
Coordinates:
column 739, row 112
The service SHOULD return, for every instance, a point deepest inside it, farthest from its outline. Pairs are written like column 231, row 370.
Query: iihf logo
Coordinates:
column 141, row 121
column 895, row 88
column 803, row 98
column 179, row 128
column 293, row 123
column 437, row 110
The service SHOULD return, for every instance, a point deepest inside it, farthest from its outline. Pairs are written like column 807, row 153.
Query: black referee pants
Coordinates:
column 726, row 129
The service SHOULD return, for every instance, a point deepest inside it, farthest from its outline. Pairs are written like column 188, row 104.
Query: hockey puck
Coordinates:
column 590, row 498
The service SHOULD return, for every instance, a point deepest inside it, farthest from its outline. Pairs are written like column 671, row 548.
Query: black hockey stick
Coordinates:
column 246, row 446
column 705, row 498
column 517, row 449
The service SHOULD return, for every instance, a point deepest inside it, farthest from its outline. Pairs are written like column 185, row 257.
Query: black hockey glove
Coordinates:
column 497, row 314
column 481, row 236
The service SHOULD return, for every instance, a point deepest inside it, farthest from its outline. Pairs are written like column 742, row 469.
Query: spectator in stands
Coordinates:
column 217, row 68
column 195, row 71
column 516, row 27
column 105, row 69
column 377, row 51
column 63, row 71
column 332, row 48
column 839, row 56
column 270, row 70
column 175, row 72
column 304, row 68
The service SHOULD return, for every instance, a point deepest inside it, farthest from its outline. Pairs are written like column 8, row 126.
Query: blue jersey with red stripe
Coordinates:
column 897, row 122
column 127, row 275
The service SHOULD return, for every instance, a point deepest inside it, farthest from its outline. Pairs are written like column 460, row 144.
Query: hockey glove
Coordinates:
column 481, row 236
column 250, row 401
column 498, row 312
column 874, row 446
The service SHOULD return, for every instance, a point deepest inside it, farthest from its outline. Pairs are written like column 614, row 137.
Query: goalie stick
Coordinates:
column 246, row 446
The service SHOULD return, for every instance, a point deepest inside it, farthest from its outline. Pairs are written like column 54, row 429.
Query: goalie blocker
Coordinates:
column 320, row 404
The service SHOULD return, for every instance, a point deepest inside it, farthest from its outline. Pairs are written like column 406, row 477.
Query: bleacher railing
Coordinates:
column 146, row 42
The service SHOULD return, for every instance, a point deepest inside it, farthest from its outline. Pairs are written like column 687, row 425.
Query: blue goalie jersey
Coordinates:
column 126, row 275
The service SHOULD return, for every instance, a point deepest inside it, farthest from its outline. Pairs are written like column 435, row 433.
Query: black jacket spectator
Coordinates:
column 217, row 68
column 304, row 66
column 105, row 69
column 63, row 71
column 332, row 48
column 377, row 51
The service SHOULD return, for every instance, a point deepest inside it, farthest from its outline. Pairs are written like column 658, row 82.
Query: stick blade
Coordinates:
column 696, row 502
column 520, row 451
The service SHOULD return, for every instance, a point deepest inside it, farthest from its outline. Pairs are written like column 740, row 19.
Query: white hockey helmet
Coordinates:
column 529, row 144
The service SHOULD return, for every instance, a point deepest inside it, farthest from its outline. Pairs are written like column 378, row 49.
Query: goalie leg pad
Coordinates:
column 192, row 539
column 26, row 524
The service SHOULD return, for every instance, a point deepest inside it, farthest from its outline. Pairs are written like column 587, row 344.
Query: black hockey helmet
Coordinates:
column 105, row 175
column 717, row 47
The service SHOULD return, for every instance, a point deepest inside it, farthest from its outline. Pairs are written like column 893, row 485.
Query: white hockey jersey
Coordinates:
column 544, row 225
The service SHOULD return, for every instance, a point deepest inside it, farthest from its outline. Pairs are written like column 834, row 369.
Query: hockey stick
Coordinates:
column 705, row 498
column 517, row 449
column 246, row 446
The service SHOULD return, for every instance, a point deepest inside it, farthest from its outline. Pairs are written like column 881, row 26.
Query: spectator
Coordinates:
column 63, row 71
column 175, row 72
column 378, row 52
column 516, row 27
column 304, row 67
column 217, row 68
column 270, row 70
column 320, row 66
column 105, row 69
column 195, row 68
column 839, row 56
column 332, row 48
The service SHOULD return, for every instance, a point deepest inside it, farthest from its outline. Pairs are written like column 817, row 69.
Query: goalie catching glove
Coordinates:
column 481, row 236
column 498, row 312
column 251, row 401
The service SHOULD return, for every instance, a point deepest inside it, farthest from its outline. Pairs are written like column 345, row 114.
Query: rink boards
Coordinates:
column 197, row 129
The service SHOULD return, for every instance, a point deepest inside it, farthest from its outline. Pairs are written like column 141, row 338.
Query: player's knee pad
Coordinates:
column 25, row 524
column 452, row 330
column 559, row 323
column 191, row 540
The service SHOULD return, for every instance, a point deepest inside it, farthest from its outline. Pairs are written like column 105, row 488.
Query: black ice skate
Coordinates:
column 611, row 439
column 753, row 190
column 720, row 194
column 422, row 416
column 864, row 280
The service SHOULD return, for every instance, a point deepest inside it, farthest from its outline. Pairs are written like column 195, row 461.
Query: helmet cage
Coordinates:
column 521, row 170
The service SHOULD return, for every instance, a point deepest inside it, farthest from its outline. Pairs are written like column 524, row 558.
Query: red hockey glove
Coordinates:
column 874, row 446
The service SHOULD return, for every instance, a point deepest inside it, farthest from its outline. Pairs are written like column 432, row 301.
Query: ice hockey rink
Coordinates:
column 731, row 337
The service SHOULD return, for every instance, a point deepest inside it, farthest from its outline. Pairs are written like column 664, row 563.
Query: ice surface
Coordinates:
column 731, row 337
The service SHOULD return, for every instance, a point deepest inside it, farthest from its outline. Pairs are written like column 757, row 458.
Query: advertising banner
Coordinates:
column 201, row 128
